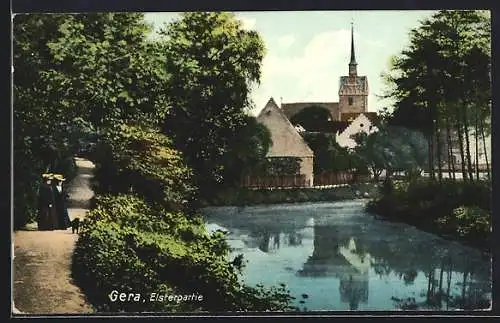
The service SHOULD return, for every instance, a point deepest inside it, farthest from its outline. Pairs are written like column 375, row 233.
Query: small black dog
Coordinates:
column 75, row 225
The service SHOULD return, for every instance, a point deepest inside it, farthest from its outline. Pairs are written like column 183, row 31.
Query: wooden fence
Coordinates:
column 274, row 181
column 324, row 179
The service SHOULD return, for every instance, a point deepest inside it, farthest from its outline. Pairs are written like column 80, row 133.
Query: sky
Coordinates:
column 308, row 51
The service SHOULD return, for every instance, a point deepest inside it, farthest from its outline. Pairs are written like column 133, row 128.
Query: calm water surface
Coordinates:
column 342, row 258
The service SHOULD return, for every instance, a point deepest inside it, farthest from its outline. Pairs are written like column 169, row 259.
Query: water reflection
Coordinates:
column 373, row 265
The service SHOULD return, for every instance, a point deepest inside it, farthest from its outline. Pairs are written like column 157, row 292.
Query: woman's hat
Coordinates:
column 59, row 177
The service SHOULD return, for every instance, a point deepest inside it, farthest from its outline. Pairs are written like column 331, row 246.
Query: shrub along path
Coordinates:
column 42, row 263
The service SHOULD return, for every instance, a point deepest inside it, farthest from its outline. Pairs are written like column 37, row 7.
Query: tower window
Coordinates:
column 350, row 100
column 361, row 125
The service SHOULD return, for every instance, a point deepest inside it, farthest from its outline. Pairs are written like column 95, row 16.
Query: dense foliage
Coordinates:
column 329, row 156
column 459, row 209
column 132, row 246
column 276, row 166
column 441, row 84
column 101, row 78
column 313, row 118
column 140, row 159
column 213, row 63
column 244, row 196
column 75, row 74
column 249, row 147
column 392, row 149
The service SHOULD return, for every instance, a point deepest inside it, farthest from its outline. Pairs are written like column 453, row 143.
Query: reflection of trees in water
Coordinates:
column 401, row 259
column 400, row 256
column 294, row 239
column 440, row 295
column 269, row 240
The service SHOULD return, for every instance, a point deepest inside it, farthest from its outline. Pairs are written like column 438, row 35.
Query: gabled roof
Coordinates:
column 286, row 141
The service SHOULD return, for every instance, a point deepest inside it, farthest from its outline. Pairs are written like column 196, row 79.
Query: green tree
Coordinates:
column 328, row 155
column 108, row 70
column 247, row 152
column 391, row 149
column 74, row 74
column 441, row 84
column 313, row 118
column 213, row 63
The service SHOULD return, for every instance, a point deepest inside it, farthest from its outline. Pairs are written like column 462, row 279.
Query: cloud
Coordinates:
column 374, row 43
column 286, row 41
column 312, row 72
column 248, row 23
column 309, row 75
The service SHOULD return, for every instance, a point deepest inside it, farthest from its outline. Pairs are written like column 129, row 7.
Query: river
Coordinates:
column 335, row 256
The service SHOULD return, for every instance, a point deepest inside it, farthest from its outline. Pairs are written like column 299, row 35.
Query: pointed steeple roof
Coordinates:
column 353, row 56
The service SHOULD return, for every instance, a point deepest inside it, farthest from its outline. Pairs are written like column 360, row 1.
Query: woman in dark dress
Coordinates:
column 46, row 203
column 60, row 197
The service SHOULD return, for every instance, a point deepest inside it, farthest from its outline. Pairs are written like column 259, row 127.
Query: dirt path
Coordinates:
column 42, row 263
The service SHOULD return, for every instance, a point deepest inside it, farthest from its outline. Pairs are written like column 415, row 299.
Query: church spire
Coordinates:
column 352, row 63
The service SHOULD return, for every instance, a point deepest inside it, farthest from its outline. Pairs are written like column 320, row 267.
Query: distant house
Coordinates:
column 286, row 141
column 358, row 122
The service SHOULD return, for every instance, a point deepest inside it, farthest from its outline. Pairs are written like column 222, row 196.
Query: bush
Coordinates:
column 133, row 247
column 470, row 222
column 135, row 158
column 460, row 209
column 244, row 196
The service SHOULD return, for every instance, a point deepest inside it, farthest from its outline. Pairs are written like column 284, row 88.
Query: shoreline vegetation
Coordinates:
column 248, row 197
column 454, row 210
column 457, row 211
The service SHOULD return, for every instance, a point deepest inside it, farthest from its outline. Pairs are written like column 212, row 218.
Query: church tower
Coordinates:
column 353, row 90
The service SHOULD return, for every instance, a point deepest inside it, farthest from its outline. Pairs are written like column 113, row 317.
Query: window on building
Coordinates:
column 350, row 100
column 361, row 125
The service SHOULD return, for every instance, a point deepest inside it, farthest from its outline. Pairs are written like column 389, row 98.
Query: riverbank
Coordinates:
column 247, row 197
column 459, row 211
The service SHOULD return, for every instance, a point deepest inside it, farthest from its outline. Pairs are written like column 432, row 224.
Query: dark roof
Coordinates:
column 337, row 126
column 290, row 109
column 329, row 127
column 360, row 81
column 372, row 116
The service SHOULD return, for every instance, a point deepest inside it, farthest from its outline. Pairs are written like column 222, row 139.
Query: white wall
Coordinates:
column 360, row 124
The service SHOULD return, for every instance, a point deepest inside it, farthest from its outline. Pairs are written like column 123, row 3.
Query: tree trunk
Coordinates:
column 432, row 175
column 458, row 127
column 464, row 282
column 467, row 141
column 448, row 289
column 438, row 149
column 484, row 149
column 440, row 292
column 451, row 160
column 429, row 287
column 477, row 144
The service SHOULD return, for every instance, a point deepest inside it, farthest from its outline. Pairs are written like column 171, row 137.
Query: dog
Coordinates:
column 75, row 225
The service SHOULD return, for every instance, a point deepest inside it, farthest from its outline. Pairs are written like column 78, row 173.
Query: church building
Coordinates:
column 343, row 119
column 352, row 107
